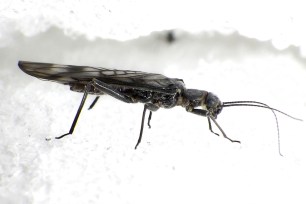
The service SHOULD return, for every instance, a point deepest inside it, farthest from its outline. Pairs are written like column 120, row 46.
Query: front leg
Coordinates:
column 210, row 127
column 209, row 116
column 202, row 112
column 199, row 112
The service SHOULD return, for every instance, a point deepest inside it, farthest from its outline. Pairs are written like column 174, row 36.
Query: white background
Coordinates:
column 239, row 51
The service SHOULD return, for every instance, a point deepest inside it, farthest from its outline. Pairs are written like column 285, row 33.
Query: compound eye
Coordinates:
column 212, row 101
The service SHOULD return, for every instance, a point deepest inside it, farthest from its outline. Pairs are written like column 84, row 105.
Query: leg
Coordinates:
column 223, row 133
column 151, row 107
column 206, row 114
column 110, row 90
column 78, row 112
column 210, row 128
column 94, row 102
column 141, row 127
column 149, row 119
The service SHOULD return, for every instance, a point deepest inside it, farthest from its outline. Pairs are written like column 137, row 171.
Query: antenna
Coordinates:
column 261, row 105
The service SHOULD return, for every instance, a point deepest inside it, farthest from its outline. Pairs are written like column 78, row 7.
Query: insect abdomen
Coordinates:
column 80, row 87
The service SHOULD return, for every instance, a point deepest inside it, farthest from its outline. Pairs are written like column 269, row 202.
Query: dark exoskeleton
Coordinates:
column 154, row 90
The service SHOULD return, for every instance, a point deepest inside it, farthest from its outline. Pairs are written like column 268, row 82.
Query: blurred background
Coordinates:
column 238, row 50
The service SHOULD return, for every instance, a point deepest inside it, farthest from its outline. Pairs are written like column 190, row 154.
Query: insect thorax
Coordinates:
column 192, row 98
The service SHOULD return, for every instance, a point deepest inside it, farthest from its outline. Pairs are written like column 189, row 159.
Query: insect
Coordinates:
column 153, row 90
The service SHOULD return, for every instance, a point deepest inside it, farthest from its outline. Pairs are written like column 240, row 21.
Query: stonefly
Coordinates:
column 153, row 90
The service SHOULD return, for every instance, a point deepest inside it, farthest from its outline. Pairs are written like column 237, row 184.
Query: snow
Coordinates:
column 239, row 56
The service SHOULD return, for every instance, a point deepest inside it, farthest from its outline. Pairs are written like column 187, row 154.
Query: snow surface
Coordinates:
column 179, row 160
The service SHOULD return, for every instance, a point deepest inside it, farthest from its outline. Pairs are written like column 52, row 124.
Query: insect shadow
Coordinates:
column 153, row 90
